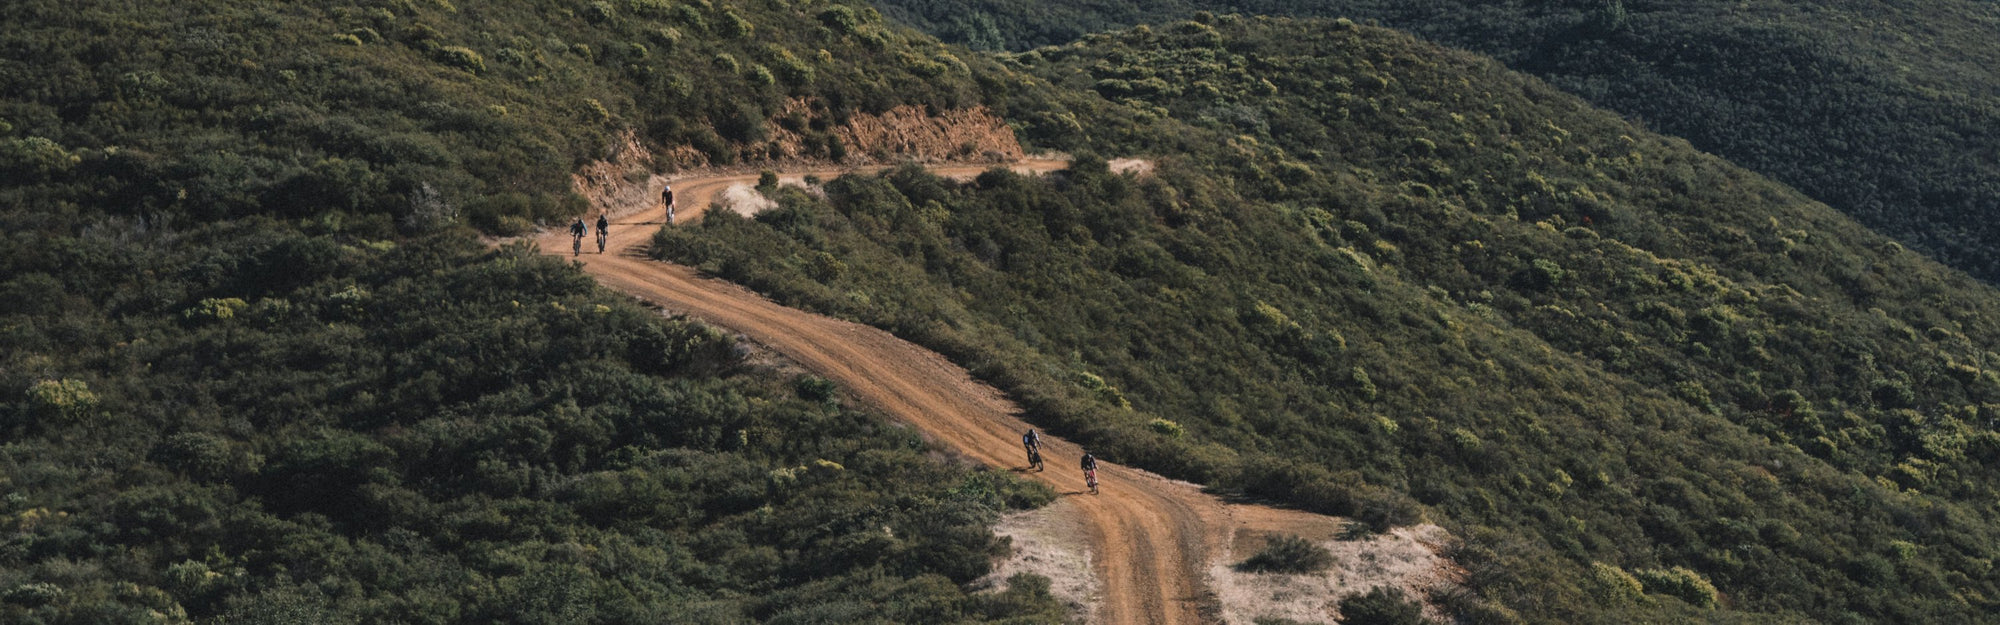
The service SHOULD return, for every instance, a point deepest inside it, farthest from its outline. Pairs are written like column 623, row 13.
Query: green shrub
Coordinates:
column 462, row 58
column 668, row 37
column 35, row 156
column 198, row 454
column 1678, row 582
column 1102, row 390
column 1610, row 585
column 65, row 400
column 1382, row 605
column 1364, row 386
column 595, row 111
column 841, row 19
column 1384, row 510
column 214, row 309
column 814, row 388
column 1288, row 553
column 759, row 76
column 191, row 578
column 690, row 17
column 794, row 71
column 1165, row 428
column 33, row 594
column 734, row 26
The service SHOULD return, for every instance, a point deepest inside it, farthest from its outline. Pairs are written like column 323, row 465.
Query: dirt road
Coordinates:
column 1154, row 538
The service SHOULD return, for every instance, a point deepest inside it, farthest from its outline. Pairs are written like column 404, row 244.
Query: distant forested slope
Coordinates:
column 1888, row 111
column 1378, row 278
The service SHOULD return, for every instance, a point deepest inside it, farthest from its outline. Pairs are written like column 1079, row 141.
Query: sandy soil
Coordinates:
column 1405, row 558
column 744, row 200
column 1134, row 166
column 1046, row 542
column 1152, row 542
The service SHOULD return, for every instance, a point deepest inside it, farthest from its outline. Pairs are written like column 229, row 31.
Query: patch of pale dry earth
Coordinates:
column 1134, row 166
column 744, row 199
column 1050, row 542
column 1406, row 558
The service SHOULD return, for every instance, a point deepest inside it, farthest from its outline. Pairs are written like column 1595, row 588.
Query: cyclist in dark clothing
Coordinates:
column 1090, row 471
column 576, row 232
column 1033, row 443
column 603, row 231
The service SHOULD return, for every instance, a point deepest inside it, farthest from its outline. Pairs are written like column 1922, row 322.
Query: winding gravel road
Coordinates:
column 1152, row 537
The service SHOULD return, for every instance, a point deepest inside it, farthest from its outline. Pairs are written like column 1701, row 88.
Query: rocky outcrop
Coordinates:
column 631, row 179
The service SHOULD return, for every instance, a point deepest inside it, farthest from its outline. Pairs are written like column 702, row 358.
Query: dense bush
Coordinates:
column 1287, row 553
column 1382, row 605
column 1679, row 582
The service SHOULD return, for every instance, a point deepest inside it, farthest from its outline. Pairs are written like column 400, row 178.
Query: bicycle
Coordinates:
column 1090, row 479
column 1035, row 458
column 600, row 240
column 576, row 246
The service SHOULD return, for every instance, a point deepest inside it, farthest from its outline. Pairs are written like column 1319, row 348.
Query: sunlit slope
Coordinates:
column 1374, row 277
column 257, row 366
column 1885, row 111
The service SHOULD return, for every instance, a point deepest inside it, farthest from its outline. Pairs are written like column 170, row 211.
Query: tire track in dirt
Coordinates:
column 1153, row 537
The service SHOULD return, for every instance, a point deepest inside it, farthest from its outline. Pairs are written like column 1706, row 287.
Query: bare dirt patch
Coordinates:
column 1050, row 542
column 1134, row 166
column 628, row 181
column 744, row 199
column 1405, row 558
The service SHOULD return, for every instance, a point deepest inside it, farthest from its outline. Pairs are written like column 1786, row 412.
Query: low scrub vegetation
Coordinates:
column 1884, row 111
column 256, row 423
column 211, row 110
column 1380, row 279
column 1288, row 553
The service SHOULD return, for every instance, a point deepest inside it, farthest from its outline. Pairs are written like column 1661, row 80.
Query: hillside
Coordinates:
column 1375, row 277
column 259, row 367
column 1885, row 111
column 255, row 367
column 219, row 110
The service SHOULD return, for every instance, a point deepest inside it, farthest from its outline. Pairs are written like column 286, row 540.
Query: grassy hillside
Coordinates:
column 218, row 109
column 1378, row 278
column 261, row 424
column 255, row 369
column 1886, row 111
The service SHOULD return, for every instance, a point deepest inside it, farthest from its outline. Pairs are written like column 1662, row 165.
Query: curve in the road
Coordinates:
column 1153, row 537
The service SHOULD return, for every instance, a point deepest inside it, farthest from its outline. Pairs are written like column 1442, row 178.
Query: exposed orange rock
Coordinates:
column 628, row 180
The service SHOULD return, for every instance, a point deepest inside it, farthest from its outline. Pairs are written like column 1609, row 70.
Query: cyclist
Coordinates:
column 576, row 231
column 1033, row 443
column 667, row 197
column 1090, row 471
column 603, row 231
